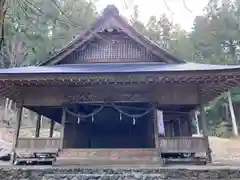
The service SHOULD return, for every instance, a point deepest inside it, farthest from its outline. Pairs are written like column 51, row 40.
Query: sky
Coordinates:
column 180, row 12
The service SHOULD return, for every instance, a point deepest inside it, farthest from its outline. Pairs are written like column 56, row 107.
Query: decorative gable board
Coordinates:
column 110, row 47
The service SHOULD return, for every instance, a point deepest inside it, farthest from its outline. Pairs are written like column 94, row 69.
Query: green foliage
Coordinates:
column 35, row 28
column 220, row 130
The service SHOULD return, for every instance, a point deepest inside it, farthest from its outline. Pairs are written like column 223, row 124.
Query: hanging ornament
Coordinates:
column 134, row 120
column 120, row 116
column 79, row 119
column 92, row 118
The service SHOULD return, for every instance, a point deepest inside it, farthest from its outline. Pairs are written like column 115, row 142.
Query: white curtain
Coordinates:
column 161, row 130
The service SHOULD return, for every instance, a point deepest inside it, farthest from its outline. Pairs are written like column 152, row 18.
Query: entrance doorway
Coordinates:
column 110, row 128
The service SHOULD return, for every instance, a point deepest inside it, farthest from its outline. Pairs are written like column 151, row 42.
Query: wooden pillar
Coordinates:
column 180, row 125
column 205, row 129
column 51, row 128
column 62, row 127
column 38, row 126
column 189, row 124
column 156, row 135
column 232, row 113
column 197, row 122
column 189, row 120
column 15, row 140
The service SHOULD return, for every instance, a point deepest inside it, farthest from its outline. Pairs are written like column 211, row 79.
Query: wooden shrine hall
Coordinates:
column 120, row 99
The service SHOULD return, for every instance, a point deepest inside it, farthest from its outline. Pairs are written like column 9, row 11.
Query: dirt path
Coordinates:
column 225, row 151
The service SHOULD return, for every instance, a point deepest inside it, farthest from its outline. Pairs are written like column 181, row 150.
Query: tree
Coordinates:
column 181, row 44
column 33, row 30
column 3, row 10
column 40, row 27
column 159, row 30
column 216, row 34
column 135, row 21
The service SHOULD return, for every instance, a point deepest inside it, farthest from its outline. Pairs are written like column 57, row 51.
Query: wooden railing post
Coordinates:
column 15, row 140
column 205, row 128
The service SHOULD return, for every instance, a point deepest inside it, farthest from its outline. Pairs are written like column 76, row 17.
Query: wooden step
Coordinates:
column 107, row 156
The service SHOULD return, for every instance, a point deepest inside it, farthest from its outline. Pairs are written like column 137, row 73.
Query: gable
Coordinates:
column 111, row 39
column 110, row 47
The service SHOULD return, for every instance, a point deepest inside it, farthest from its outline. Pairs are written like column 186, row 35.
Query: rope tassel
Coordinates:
column 79, row 119
column 134, row 121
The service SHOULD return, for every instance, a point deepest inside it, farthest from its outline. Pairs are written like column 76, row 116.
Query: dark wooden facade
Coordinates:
column 113, row 41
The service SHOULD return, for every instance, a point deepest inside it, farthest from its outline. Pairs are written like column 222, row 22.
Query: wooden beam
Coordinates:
column 62, row 128
column 15, row 141
column 205, row 128
column 51, row 128
column 163, row 94
column 38, row 125
column 217, row 88
column 100, row 78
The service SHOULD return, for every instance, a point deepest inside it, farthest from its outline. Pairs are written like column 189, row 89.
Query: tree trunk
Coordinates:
column 232, row 113
column 2, row 19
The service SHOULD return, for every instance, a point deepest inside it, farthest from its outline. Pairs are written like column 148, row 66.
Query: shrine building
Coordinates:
column 119, row 97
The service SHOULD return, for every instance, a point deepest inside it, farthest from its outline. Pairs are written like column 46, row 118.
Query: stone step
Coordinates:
column 107, row 156
column 79, row 161
column 108, row 153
